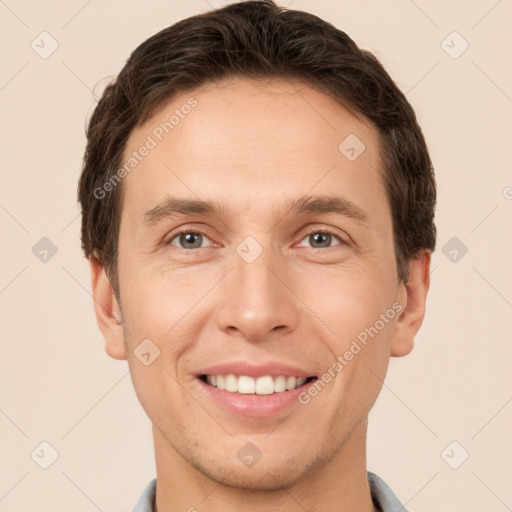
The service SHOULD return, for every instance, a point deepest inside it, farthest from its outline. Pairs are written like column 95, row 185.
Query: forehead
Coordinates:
column 246, row 138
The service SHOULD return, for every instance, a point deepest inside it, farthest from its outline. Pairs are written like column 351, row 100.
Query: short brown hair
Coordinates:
column 257, row 40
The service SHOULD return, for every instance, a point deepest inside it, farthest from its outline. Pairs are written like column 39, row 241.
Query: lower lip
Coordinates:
column 253, row 405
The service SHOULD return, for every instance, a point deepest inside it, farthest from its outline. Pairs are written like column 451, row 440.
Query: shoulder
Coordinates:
column 383, row 497
column 146, row 501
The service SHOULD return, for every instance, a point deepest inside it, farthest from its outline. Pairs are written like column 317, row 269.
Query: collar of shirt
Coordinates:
column 383, row 497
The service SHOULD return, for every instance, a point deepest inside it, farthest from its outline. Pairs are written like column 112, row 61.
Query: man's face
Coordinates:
column 257, row 289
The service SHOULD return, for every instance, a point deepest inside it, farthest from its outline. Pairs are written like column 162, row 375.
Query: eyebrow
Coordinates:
column 172, row 207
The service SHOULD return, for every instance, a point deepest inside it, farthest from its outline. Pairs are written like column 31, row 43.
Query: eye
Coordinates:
column 318, row 238
column 188, row 240
column 321, row 239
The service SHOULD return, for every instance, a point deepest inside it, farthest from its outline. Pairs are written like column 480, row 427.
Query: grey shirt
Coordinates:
column 382, row 496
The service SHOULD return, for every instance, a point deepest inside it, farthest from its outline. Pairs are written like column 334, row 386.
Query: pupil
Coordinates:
column 317, row 237
column 188, row 238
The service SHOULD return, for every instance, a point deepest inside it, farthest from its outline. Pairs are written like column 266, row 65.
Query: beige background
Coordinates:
column 59, row 386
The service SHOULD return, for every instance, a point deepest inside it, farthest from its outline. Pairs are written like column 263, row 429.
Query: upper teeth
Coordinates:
column 265, row 385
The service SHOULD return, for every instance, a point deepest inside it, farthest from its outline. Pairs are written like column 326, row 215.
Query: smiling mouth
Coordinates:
column 264, row 385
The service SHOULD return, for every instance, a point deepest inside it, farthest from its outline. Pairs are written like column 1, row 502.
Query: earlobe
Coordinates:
column 108, row 312
column 415, row 296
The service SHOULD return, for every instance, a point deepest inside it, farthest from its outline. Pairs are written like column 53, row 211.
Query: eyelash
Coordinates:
column 311, row 232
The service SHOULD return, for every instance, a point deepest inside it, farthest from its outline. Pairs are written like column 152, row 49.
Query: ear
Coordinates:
column 412, row 296
column 108, row 312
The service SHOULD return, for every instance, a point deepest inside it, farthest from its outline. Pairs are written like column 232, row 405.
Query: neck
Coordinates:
column 340, row 484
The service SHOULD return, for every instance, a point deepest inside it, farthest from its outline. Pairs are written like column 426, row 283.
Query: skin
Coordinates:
column 255, row 146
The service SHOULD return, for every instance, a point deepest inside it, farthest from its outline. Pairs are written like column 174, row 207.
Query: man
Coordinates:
column 258, row 213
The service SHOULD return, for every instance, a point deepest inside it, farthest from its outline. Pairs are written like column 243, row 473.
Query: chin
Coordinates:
column 267, row 474
column 252, row 479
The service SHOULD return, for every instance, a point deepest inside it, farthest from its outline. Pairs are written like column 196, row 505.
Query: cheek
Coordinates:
column 156, row 303
column 351, row 304
column 342, row 301
column 156, row 313
column 347, row 301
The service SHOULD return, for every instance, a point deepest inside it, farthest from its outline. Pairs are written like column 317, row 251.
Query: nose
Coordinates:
column 257, row 299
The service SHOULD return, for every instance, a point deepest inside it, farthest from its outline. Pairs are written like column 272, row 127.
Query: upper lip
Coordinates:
column 255, row 370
